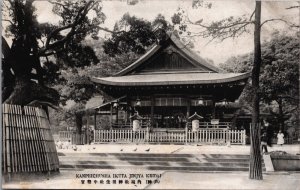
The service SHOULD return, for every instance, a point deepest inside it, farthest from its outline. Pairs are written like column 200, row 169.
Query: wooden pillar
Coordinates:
column 117, row 114
column 111, row 114
column 95, row 120
column 188, row 108
column 86, row 133
column 213, row 109
column 152, row 110
column 128, row 110
column 87, row 121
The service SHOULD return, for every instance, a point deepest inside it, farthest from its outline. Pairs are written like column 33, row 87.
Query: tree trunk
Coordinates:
column 21, row 94
column 25, row 92
column 255, row 170
column 79, row 123
column 280, row 115
column 298, row 119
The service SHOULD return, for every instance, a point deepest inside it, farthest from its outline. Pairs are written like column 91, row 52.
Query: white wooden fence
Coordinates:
column 203, row 136
column 120, row 136
column 74, row 138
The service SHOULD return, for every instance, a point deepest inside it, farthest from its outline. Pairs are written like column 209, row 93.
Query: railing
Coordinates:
column 65, row 135
column 119, row 136
column 126, row 125
column 209, row 125
column 170, row 136
column 74, row 138
column 205, row 136
column 201, row 125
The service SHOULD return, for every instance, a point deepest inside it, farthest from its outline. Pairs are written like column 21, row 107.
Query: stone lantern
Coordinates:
column 136, row 126
column 195, row 121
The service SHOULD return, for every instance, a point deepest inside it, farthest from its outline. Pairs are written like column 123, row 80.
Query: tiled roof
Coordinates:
column 171, row 79
column 182, row 47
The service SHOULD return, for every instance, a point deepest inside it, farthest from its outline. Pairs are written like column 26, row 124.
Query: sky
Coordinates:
column 217, row 51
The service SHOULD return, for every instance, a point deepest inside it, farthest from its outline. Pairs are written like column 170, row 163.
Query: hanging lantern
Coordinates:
column 115, row 104
column 138, row 103
column 200, row 101
column 224, row 101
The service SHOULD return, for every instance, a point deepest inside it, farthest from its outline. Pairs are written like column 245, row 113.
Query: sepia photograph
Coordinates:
column 150, row 94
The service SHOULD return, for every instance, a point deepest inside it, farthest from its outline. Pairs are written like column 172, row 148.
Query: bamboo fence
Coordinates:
column 27, row 142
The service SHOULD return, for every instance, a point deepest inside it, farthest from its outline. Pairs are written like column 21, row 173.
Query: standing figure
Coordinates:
column 280, row 138
column 264, row 141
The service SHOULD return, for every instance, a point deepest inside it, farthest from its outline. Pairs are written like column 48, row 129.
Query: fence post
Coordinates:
column 228, row 137
column 186, row 134
column 94, row 141
column 244, row 137
column 147, row 135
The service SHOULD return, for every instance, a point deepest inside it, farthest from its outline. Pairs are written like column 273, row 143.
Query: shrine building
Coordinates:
column 167, row 85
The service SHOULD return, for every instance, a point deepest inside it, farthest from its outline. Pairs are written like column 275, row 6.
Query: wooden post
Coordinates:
column 117, row 115
column 213, row 109
column 186, row 133
column 95, row 120
column 228, row 137
column 152, row 110
column 111, row 115
column 147, row 135
column 244, row 137
column 188, row 108
column 86, row 130
column 127, row 112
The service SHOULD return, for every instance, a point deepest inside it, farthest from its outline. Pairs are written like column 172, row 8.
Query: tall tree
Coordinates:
column 26, row 62
column 279, row 78
column 135, row 35
column 255, row 156
column 279, row 75
column 233, row 27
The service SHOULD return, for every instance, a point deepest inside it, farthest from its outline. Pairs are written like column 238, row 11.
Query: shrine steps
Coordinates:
column 167, row 162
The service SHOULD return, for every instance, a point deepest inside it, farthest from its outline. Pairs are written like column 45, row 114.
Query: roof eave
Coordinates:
column 104, row 81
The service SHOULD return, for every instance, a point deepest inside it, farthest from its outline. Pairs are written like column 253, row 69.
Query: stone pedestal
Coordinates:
column 136, row 125
column 195, row 125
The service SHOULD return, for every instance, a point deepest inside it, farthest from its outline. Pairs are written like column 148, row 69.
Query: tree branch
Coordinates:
column 287, row 97
column 60, row 4
column 38, row 103
column 291, row 110
column 51, row 53
column 279, row 19
column 82, row 12
column 5, row 48
column 293, row 7
column 220, row 27
column 8, row 21
column 56, row 31
column 252, row 15
column 110, row 31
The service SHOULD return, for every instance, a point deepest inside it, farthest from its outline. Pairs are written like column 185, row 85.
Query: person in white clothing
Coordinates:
column 280, row 138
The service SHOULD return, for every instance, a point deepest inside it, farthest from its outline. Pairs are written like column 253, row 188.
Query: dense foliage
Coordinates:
column 279, row 84
column 39, row 52
column 132, row 34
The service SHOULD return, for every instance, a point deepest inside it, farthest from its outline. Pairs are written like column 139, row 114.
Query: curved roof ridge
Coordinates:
column 193, row 54
column 139, row 61
column 182, row 47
